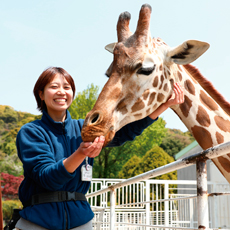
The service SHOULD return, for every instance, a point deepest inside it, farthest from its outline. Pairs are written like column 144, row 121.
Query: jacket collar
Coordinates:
column 57, row 127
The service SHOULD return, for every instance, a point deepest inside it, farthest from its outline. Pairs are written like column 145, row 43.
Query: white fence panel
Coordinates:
column 179, row 210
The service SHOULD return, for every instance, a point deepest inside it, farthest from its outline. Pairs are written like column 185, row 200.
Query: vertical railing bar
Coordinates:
column 147, row 197
column 112, row 209
column 202, row 195
column 166, row 208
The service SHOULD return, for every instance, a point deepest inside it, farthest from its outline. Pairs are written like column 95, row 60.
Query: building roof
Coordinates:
column 185, row 150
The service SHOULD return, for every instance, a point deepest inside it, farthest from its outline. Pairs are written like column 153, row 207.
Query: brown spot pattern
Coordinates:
column 219, row 138
column 161, row 67
column 189, row 87
column 160, row 97
column 145, row 94
column 138, row 105
column 155, row 106
column 166, row 88
column 186, row 106
column 202, row 136
column 202, row 117
column 155, row 81
column 179, row 75
column 165, row 73
column 122, row 107
column 208, row 101
column 138, row 115
column 151, row 98
column 148, row 111
column 224, row 163
column 222, row 123
column 162, row 80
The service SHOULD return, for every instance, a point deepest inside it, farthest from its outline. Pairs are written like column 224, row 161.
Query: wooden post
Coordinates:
column 1, row 215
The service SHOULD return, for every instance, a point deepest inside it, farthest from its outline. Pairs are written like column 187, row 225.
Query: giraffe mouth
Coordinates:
column 89, row 133
column 109, row 136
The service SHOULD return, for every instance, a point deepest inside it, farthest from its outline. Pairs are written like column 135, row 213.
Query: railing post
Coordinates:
column 166, row 196
column 112, row 208
column 147, row 206
column 202, row 195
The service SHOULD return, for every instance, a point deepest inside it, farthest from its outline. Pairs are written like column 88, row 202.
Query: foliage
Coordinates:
column 84, row 102
column 175, row 140
column 10, row 123
column 154, row 158
column 8, row 206
column 129, row 167
column 10, row 185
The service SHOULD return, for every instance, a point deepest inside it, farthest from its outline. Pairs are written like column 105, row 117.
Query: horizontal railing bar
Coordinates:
column 172, row 199
column 219, row 194
column 213, row 152
column 156, row 201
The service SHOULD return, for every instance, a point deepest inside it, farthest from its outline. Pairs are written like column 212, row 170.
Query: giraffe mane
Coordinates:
column 209, row 88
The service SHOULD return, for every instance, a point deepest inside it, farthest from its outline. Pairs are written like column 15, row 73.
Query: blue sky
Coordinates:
column 72, row 34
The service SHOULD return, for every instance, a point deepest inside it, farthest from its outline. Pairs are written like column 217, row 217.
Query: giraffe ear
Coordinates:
column 187, row 52
column 110, row 47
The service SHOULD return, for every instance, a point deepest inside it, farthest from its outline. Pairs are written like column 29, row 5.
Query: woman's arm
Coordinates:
column 178, row 99
column 85, row 149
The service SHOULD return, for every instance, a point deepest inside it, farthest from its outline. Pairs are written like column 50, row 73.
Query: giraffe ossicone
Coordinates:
column 141, row 78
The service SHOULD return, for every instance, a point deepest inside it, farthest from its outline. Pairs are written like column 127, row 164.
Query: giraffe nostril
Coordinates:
column 94, row 118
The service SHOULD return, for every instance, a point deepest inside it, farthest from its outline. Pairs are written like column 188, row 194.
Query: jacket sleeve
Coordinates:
column 38, row 160
column 130, row 131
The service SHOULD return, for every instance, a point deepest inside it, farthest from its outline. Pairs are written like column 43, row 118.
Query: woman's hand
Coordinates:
column 178, row 97
column 92, row 149
column 86, row 149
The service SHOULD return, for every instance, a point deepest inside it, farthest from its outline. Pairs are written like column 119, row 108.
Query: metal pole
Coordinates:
column 147, row 207
column 112, row 209
column 166, row 194
column 202, row 195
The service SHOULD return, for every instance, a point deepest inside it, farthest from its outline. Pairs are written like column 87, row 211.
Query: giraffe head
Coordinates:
column 141, row 77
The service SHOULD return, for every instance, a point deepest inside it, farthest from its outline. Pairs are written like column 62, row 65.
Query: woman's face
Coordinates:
column 58, row 96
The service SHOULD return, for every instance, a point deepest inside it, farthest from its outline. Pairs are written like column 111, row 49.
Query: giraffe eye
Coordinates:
column 146, row 71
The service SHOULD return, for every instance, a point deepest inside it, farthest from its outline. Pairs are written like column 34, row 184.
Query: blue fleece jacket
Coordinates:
column 42, row 146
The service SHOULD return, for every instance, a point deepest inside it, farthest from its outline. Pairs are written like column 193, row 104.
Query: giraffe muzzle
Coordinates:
column 96, row 125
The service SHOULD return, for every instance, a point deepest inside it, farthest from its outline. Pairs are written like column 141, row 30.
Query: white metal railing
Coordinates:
column 144, row 203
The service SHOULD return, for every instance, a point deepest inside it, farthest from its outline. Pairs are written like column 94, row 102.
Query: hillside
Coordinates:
column 10, row 123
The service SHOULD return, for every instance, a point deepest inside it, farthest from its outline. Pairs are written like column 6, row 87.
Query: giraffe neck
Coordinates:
column 206, row 117
column 201, row 114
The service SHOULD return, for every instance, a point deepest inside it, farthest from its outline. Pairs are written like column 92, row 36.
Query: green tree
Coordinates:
column 153, row 159
column 175, row 140
column 9, row 115
column 10, row 123
column 129, row 167
column 84, row 102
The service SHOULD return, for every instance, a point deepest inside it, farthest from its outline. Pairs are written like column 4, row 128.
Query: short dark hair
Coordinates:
column 46, row 77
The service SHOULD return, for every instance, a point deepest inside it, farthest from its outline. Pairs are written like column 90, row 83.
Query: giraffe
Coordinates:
column 141, row 78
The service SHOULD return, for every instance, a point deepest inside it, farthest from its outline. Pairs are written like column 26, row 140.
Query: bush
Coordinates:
column 10, row 185
column 7, row 208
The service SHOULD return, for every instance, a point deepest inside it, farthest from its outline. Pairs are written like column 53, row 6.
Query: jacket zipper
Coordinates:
column 63, row 131
column 63, row 127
